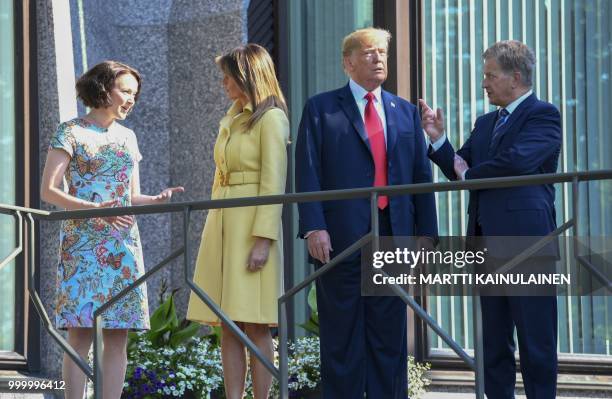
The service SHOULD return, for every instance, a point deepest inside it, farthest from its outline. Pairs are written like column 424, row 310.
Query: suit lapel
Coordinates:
column 514, row 116
column 488, row 126
column 347, row 102
column 390, row 116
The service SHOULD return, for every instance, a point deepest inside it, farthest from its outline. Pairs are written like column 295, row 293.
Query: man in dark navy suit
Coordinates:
column 522, row 137
column 361, row 136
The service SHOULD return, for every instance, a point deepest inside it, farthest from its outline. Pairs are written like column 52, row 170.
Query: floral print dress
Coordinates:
column 97, row 261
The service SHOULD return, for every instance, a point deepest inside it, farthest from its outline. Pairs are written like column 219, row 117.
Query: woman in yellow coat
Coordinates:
column 240, row 260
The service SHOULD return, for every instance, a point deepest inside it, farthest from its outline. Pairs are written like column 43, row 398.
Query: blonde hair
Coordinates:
column 253, row 70
column 356, row 39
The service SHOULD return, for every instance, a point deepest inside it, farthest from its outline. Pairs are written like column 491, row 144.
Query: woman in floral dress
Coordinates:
column 98, row 158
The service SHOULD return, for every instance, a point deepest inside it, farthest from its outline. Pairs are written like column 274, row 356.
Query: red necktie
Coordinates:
column 376, row 136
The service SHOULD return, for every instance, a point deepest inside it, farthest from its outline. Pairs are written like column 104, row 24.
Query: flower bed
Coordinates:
column 171, row 360
column 193, row 368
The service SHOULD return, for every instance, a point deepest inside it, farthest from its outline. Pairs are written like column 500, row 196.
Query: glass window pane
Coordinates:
column 7, row 174
column 316, row 30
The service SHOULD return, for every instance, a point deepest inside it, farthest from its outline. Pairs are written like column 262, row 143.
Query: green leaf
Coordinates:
column 312, row 298
column 161, row 316
column 311, row 327
column 174, row 322
column 181, row 336
column 132, row 340
column 163, row 321
column 217, row 333
column 132, row 335
column 157, row 337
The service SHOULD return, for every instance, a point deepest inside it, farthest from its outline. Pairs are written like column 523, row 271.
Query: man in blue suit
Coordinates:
column 361, row 136
column 522, row 137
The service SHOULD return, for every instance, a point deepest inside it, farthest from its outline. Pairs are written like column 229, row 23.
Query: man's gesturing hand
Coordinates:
column 432, row 123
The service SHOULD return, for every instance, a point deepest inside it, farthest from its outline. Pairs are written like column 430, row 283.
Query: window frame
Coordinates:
column 26, row 353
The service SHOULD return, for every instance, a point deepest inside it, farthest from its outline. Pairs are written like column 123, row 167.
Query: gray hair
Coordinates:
column 513, row 56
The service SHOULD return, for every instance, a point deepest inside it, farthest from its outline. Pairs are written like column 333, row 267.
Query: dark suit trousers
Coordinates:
column 363, row 339
column 535, row 319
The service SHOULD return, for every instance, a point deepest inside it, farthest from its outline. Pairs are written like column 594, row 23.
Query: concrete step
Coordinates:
column 460, row 385
column 470, row 395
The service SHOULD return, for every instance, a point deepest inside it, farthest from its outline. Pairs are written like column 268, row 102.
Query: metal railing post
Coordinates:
column 582, row 260
column 575, row 194
column 283, row 352
column 478, row 344
column 186, row 221
column 374, row 221
column 98, row 379
column 575, row 211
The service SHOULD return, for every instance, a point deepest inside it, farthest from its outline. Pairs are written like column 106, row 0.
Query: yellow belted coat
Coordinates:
column 249, row 162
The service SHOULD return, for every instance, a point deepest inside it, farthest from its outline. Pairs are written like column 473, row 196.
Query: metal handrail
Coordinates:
column 420, row 188
column 281, row 373
column 19, row 248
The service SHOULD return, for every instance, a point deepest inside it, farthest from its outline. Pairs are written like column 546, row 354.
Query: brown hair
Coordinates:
column 253, row 70
column 94, row 87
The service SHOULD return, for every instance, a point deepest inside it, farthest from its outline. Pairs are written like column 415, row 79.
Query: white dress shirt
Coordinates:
column 359, row 94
